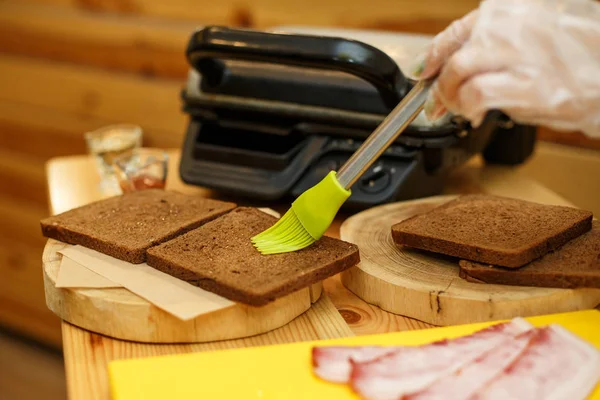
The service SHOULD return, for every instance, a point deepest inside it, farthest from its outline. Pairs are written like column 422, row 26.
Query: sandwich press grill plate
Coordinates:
column 272, row 112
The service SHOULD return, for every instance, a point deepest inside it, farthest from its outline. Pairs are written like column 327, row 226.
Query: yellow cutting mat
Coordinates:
column 284, row 371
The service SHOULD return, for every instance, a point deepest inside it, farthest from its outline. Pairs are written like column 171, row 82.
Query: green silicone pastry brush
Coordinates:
column 313, row 211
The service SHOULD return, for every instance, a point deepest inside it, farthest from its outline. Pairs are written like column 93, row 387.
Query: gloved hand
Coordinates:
column 538, row 61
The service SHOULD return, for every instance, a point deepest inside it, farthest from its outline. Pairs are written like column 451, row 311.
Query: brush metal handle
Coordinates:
column 385, row 134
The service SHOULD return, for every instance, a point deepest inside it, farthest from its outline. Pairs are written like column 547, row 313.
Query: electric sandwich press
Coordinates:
column 272, row 112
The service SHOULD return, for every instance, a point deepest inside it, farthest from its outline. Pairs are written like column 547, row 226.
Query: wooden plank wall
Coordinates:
column 69, row 66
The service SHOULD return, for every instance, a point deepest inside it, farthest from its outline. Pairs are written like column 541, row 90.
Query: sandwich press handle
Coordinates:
column 208, row 46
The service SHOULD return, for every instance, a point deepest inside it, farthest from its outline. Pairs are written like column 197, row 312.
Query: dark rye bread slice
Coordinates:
column 220, row 258
column 574, row 265
column 125, row 226
column 494, row 230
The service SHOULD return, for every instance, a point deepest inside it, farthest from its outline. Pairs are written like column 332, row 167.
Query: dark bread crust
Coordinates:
column 494, row 230
column 465, row 275
column 575, row 265
column 132, row 255
column 125, row 226
column 220, row 258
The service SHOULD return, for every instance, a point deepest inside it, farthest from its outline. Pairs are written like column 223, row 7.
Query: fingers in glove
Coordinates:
column 462, row 66
column 434, row 108
column 500, row 90
column 443, row 46
column 525, row 101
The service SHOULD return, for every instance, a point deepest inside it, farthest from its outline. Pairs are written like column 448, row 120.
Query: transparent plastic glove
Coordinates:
column 538, row 61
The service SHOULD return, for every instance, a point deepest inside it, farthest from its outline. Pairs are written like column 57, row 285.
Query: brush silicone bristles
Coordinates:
column 286, row 235
column 306, row 221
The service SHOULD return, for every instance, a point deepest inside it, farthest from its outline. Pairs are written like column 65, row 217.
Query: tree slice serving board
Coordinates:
column 118, row 313
column 427, row 287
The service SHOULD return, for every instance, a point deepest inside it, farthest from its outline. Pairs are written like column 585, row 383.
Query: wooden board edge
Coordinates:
column 85, row 309
column 433, row 307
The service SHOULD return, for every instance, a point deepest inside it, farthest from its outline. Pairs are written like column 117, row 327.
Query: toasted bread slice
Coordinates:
column 574, row 265
column 494, row 230
column 125, row 226
column 219, row 257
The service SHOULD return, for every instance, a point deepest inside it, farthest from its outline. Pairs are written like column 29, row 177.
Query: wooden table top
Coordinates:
column 73, row 181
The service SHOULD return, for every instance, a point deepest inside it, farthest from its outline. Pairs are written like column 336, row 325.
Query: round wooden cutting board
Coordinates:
column 427, row 287
column 118, row 313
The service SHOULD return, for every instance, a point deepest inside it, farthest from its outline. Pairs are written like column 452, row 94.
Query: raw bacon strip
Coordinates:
column 411, row 369
column 557, row 365
column 332, row 363
column 465, row 382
